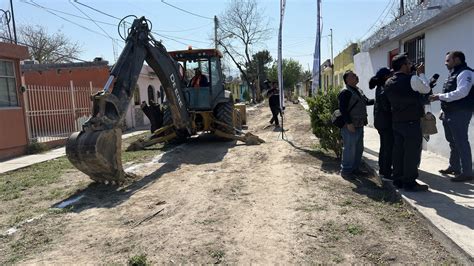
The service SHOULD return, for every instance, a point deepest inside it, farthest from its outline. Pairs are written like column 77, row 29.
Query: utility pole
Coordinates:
column 13, row 19
column 332, row 62
column 216, row 22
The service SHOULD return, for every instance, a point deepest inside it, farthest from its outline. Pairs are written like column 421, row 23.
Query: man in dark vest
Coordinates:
column 457, row 104
column 353, row 108
column 404, row 91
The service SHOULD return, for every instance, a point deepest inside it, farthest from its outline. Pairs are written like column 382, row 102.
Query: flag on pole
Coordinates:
column 280, row 60
column 317, row 53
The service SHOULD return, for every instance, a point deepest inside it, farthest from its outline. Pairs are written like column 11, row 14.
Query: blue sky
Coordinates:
column 349, row 19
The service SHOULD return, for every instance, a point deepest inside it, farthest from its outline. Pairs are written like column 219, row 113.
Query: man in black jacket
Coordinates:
column 353, row 108
column 274, row 102
column 404, row 92
column 457, row 102
column 383, row 121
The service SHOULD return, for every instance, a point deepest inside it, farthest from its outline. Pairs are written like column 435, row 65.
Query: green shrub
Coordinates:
column 246, row 96
column 321, row 108
column 36, row 147
column 138, row 260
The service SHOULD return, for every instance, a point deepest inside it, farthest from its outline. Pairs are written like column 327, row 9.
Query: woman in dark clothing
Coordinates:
column 383, row 122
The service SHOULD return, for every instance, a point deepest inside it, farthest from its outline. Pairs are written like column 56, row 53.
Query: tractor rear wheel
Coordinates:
column 224, row 113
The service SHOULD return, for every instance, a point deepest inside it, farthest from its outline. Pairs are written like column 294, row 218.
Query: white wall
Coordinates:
column 453, row 34
column 135, row 116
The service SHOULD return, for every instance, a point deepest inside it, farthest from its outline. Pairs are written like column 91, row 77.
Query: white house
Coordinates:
column 148, row 88
column 426, row 33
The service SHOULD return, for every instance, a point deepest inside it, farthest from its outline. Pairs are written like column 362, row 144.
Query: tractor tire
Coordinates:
column 224, row 113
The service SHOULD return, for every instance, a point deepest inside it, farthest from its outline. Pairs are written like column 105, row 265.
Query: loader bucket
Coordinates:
column 97, row 154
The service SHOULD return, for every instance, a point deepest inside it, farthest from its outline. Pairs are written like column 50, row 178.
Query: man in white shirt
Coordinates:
column 457, row 102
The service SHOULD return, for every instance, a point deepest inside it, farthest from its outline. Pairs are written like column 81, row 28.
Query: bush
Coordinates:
column 321, row 108
column 36, row 147
column 246, row 96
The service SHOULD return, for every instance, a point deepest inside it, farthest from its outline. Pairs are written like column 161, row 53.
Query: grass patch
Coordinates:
column 355, row 230
column 218, row 255
column 138, row 260
column 38, row 175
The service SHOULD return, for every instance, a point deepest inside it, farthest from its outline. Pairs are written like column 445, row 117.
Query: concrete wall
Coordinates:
column 13, row 132
column 455, row 33
column 135, row 116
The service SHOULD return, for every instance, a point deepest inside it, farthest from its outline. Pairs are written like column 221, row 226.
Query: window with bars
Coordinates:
column 8, row 96
column 415, row 49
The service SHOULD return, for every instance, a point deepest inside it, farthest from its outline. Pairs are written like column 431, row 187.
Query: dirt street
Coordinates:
column 212, row 201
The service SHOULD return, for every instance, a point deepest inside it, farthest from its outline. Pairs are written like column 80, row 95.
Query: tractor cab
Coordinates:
column 201, row 71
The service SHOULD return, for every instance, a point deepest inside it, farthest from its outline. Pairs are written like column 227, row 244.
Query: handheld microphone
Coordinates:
column 433, row 80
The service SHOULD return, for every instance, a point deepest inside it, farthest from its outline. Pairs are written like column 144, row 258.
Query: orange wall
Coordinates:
column 82, row 77
column 13, row 133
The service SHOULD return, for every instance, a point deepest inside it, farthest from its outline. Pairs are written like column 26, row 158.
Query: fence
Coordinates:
column 53, row 113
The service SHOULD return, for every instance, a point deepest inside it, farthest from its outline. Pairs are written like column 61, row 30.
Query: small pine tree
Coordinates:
column 321, row 108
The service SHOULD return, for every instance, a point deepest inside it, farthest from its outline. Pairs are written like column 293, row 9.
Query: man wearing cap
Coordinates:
column 457, row 102
column 383, row 121
column 404, row 92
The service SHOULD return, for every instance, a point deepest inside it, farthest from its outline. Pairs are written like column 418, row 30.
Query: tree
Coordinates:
column 241, row 27
column 48, row 48
column 252, row 68
column 292, row 73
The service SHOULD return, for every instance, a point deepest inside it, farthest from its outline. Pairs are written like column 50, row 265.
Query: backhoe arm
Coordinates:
column 96, row 150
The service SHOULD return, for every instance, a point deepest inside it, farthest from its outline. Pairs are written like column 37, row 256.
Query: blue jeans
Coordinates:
column 456, row 124
column 353, row 147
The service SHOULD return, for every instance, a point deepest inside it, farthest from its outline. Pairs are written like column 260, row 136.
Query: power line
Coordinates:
column 97, row 10
column 35, row 47
column 84, row 13
column 390, row 3
column 66, row 13
column 185, row 11
column 68, row 20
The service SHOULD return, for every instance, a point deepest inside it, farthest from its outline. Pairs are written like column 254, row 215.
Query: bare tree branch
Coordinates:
column 48, row 48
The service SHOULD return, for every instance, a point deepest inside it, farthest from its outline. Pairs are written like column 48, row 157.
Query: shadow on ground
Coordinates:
column 196, row 151
column 369, row 186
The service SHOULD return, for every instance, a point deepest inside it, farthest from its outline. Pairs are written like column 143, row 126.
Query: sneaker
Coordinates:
column 360, row 172
column 415, row 187
column 348, row 175
column 461, row 178
column 449, row 171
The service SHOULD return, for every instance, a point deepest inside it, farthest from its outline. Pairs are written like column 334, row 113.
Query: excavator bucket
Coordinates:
column 97, row 154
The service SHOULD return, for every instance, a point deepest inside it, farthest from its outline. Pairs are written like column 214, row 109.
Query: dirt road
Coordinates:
column 211, row 201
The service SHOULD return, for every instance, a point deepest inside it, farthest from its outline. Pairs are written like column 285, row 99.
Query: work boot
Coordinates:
column 449, row 171
column 461, row 178
column 349, row 176
column 414, row 187
column 360, row 172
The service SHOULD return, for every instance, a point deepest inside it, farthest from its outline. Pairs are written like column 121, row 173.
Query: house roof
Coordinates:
column 422, row 16
column 43, row 67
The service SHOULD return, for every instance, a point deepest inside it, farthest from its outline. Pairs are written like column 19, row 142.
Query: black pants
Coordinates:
column 406, row 151
column 385, row 152
column 275, row 112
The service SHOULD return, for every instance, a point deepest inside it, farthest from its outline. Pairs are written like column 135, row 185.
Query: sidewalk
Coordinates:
column 28, row 160
column 448, row 206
